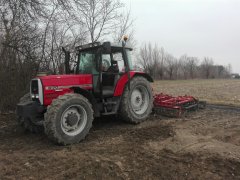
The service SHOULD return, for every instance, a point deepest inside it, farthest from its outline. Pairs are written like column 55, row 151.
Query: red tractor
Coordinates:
column 103, row 82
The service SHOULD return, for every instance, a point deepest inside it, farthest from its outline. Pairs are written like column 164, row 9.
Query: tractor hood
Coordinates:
column 47, row 88
column 83, row 80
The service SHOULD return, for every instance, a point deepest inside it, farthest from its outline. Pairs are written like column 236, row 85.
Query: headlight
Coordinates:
column 36, row 90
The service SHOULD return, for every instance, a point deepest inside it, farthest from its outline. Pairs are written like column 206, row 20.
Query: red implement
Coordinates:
column 175, row 106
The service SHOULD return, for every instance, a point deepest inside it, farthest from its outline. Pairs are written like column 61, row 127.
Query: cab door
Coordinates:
column 88, row 63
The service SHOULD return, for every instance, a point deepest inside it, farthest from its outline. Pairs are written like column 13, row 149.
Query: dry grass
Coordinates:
column 220, row 91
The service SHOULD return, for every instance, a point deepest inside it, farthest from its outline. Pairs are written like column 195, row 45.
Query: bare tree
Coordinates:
column 145, row 58
column 183, row 62
column 192, row 66
column 188, row 66
column 20, row 39
column 124, row 25
column 171, row 64
column 153, row 60
column 161, row 63
column 207, row 67
column 99, row 16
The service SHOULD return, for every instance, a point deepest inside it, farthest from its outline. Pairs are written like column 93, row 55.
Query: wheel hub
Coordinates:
column 72, row 119
column 139, row 100
column 136, row 99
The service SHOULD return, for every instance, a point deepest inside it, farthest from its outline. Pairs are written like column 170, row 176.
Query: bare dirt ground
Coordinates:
column 202, row 145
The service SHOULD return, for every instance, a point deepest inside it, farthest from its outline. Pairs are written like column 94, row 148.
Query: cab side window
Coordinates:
column 88, row 63
column 106, row 62
column 118, row 57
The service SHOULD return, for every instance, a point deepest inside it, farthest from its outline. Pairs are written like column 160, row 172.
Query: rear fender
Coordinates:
column 145, row 75
column 123, row 81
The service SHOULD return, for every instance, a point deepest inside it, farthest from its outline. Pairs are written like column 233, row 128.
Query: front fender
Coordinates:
column 90, row 97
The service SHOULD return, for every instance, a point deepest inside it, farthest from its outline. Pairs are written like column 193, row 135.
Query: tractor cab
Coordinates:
column 106, row 63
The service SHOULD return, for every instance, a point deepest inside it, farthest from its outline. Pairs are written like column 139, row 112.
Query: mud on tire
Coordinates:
column 26, row 123
column 63, row 111
column 127, row 112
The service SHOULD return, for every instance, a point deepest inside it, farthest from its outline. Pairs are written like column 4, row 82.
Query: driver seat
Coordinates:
column 109, row 81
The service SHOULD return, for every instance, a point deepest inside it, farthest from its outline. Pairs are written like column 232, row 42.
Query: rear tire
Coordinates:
column 26, row 123
column 68, row 119
column 136, row 103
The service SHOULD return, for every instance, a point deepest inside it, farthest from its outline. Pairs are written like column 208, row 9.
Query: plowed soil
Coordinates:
column 201, row 145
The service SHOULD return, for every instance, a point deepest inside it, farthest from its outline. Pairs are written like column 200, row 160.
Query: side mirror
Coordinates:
column 107, row 47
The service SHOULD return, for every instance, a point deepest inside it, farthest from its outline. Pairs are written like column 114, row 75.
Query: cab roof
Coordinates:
column 95, row 45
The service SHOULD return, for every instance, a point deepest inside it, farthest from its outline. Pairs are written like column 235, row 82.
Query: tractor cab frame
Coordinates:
column 107, row 63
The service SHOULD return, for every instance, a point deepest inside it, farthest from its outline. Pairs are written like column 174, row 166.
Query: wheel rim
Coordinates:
column 73, row 120
column 139, row 99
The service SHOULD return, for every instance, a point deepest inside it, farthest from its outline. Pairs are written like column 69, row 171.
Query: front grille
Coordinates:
column 35, row 90
column 34, row 87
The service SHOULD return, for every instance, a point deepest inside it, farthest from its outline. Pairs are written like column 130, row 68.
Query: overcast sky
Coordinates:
column 196, row 27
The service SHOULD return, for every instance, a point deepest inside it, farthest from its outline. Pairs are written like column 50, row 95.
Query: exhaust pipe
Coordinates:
column 67, row 59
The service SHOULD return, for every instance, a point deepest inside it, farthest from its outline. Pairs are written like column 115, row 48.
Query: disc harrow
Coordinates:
column 176, row 106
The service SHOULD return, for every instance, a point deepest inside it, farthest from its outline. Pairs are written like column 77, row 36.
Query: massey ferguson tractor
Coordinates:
column 101, row 83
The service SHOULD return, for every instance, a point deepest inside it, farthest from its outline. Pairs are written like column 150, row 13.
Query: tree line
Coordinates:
column 162, row 65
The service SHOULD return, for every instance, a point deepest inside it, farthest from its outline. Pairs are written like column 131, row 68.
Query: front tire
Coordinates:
column 136, row 103
column 68, row 119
